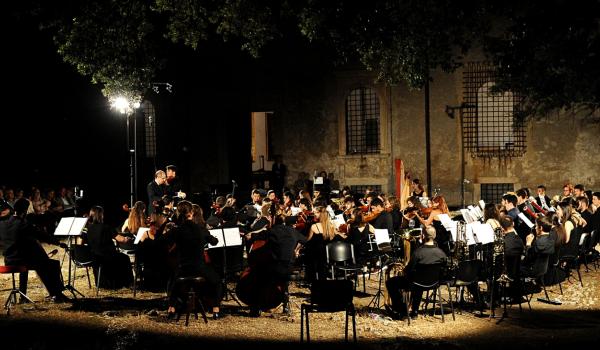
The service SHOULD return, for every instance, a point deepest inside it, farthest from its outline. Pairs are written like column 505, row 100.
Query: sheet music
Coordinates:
column 318, row 180
column 482, row 204
column 330, row 211
column 140, row 234
column 526, row 220
column 296, row 211
column 229, row 237
column 232, row 237
column 471, row 238
column 484, row 233
column 445, row 219
column 453, row 228
column 70, row 226
column 466, row 216
column 382, row 236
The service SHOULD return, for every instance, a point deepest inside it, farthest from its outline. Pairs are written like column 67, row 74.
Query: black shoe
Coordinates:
column 217, row 316
column 413, row 315
column 254, row 313
column 60, row 298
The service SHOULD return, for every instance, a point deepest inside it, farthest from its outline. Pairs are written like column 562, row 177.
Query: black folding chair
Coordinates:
column 329, row 296
column 340, row 257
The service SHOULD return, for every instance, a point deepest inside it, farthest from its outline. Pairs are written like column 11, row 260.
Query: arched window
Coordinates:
column 362, row 122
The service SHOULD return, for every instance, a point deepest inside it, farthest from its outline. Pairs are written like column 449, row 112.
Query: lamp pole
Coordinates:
column 129, row 109
column 131, row 151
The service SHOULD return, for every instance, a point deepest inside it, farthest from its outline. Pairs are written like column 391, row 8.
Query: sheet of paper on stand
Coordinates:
column 70, row 226
column 484, row 233
column 218, row 234
column 526, row 220
column 140, row 234
column 296, row 211
column 318, row 180
column 232, row 236
column 482, row 204
column 382, row 236
column 470, row 233
column 466, row 216
column 330, row 211
column 476, row 212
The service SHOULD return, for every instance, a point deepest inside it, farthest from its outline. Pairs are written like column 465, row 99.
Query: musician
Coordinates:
column 439, row 206
column 392, row 206
column 513, row 247
column 567, row 191
column 21, row 245
column 596, row 210
column 191, row 240
column 542, row 199
column 273, row 196
column 284, row 242
column 417, row 189
column 383, row 219
column 135, row 220
column 537, row 246
column 321, row 232
column 358, row 235
column 586, row 213
column 305, row 217
column 409, row 214
column 491, row 215
column 156, row 189
column 288, row 203
column 426, row 254
column 116, row 266
column 523, row 204
column 349, row 205
column 173, row 183
column 155, row 253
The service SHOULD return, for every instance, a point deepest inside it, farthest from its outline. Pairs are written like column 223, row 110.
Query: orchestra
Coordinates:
column 278, row 235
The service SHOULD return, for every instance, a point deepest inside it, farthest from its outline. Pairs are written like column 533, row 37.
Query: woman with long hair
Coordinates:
column 439, row 206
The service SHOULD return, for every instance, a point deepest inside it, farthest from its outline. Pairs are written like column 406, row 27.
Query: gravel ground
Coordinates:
column 116, row 320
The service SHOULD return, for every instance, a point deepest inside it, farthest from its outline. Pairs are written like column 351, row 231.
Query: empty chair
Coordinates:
column 329, row 296
column 467, row 275
column 340, row 257
column 83, row 257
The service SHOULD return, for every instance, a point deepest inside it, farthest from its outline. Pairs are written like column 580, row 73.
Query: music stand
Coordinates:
column 228, row 237
column 70, row 227
column 382, row 239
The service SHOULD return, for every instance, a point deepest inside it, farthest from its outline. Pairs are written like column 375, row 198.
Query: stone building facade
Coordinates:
column 312, row 135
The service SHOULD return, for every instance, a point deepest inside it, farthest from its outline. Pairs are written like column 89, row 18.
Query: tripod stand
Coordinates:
column 233, row 236
column 383, row 265
column 70, row 227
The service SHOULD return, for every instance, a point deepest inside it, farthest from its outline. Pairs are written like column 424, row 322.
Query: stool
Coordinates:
column 12, row 297
column 192, row 303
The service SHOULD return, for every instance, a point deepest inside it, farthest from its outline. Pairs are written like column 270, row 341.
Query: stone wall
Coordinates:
column 311, row 137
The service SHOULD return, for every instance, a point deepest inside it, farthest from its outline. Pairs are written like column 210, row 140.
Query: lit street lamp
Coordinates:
column 129, row 108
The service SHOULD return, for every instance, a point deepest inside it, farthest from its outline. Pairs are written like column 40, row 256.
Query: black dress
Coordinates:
column 116, row 267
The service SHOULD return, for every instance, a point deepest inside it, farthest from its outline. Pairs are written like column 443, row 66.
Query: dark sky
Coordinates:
column 57, row 128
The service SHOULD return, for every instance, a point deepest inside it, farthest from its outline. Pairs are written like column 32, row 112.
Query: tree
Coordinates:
column 549, row 52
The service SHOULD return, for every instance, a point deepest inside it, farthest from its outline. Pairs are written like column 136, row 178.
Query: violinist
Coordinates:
column 409, row 214
column 288, row 203
column 542, row 199
column 153, row 253
column 273, row 197
column 173, row 184
column 523, row 204
column 417, row 189
column 392, row 206
column 349, row 206
column 382, row 219
column 321, row 232
column 305, row 217
column 442, row 238
column 136, row 220
column 358, row 235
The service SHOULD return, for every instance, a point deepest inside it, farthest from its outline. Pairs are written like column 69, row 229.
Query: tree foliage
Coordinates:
column 550, row 54
column 547, row 51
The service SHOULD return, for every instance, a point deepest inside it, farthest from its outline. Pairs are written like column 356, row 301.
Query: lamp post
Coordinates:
column 128, row 109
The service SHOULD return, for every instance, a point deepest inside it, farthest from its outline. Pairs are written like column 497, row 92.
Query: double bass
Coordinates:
column 256, row 287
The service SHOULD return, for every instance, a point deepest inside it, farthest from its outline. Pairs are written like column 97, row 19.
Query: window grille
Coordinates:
column 362, row 121
column 363, row 188
column 150, row 129
column 492, row 193
column 491, row 128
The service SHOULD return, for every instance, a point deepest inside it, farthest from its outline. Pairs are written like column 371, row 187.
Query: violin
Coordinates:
column 370, row 216
column 425, row 212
